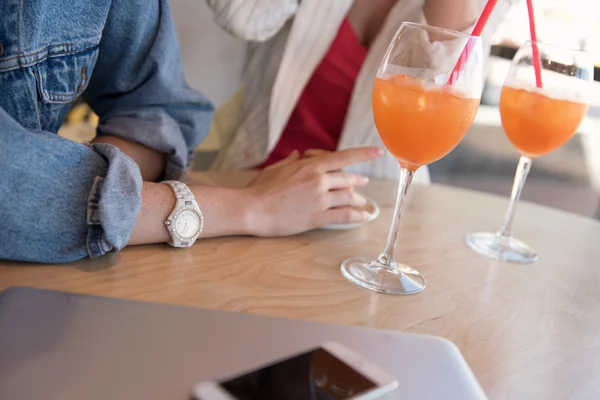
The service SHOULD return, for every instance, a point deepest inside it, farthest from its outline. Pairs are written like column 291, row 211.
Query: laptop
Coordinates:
column 64, row 346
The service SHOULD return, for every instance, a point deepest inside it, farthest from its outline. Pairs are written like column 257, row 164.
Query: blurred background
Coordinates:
column 567, row 179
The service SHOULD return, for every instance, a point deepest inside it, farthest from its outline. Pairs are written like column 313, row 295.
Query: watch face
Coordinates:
column 187, row 224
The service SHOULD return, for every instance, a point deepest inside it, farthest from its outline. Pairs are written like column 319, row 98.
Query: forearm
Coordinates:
column 289, row 197
column 455, row 14
column 225, row 212
column 61, row 200
column 151, row 162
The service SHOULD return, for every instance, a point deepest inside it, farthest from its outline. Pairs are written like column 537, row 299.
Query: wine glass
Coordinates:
column 536, row 120
column 420, row 118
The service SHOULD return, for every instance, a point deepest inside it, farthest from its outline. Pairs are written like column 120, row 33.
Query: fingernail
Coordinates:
column 366, row 215
column 379, row 152
column 363, row 180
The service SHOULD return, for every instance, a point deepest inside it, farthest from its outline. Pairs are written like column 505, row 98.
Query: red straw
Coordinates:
column 537, row 65
column 462, row 60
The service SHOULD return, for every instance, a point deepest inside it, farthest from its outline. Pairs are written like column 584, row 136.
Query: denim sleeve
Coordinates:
column 138, row 88
column 61, row 200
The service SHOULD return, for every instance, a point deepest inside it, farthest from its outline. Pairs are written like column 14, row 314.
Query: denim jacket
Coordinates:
column 61, row 200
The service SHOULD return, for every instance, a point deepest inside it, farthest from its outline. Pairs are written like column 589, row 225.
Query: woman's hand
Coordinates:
column 292, row 196
column 296, row 195
column 311, row 153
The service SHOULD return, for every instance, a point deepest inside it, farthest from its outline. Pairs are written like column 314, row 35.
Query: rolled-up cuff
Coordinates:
column 114, row 202
column 153, row 128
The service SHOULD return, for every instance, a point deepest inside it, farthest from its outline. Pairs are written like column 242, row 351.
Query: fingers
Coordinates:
column 342, row 180
column 343, row 158
column 342, row 215
column 345, row 198
column 294, row 156
column 311, row 153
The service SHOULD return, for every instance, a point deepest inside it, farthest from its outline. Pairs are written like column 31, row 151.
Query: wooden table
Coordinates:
column 528, row 332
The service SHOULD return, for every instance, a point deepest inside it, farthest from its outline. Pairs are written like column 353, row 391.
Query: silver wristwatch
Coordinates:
column 185, row 222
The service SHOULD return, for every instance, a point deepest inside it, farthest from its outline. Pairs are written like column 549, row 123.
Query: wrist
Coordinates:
column 226, row 211
column 253, row 219
column 157, row 203
column 243, row 201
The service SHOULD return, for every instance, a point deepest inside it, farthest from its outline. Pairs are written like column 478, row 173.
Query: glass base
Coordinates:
column 373, row 275
column 501, row 248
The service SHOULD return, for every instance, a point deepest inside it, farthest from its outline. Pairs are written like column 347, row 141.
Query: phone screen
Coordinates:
column 316, row 374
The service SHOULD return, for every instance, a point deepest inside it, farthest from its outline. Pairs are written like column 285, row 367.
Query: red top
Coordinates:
column 318, row 119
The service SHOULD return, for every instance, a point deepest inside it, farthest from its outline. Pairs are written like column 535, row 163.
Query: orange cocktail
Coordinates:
column 420, row 124
column 537, row 124
column 538, row 115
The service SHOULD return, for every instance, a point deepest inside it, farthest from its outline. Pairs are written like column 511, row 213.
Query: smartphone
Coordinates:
column 329, row 372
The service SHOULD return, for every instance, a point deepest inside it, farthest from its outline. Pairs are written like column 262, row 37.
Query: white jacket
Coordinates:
column 290, row 37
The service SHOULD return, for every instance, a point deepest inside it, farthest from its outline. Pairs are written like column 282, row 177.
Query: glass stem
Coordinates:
column 387, row 255
column 520, row 176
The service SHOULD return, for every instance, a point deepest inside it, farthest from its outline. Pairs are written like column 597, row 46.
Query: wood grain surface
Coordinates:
column 528, row 332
